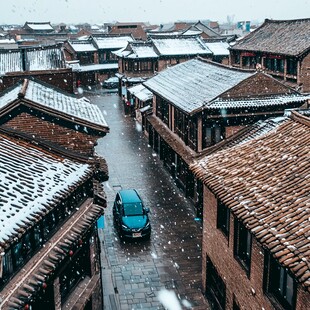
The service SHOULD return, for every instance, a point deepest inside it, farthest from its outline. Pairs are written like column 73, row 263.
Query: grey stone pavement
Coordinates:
column 135, row 273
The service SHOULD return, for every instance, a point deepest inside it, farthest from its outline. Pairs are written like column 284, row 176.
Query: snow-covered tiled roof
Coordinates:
column 95, row 67
column 180, row 46
column 191, row 84
column 218, row 48
column 43, row 58
column 142, row 50
column 275, row 100
column 10, row 61
column 191, row 32
column 288, row 37
column 71, row 106
column 267, row 188
column 40, row 26
column 122, row 52
column 82, row 46
column 112, row 42
column 30, row 180
column 141, row 92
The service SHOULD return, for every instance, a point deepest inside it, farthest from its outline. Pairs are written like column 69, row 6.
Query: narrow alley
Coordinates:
column 135, row 272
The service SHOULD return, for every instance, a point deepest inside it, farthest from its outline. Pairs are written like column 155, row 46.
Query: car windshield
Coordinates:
column 133, row 209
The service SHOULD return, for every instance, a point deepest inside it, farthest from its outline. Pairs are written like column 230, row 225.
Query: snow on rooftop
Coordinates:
column 112, row 42
column 46, row 96
column 43, row 26
column 83, row 46
column 191, row 84
column 29, row 180
column 218, row 48
column 141, row 92
column 95, row 67
column 180, row 46
column 275, row 100
column 10, row 62
column 45, row 59
column 70, row 105
column 142, row 51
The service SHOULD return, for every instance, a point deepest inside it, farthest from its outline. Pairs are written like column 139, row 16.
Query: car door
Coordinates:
column 117, row 210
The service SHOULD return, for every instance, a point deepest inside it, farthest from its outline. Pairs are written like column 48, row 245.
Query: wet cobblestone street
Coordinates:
column 135, row 272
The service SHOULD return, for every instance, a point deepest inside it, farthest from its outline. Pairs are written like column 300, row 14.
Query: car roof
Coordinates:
column 129, row 195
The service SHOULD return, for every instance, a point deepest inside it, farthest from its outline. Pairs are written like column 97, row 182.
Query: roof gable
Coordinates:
column 259, row 84
column 287, row 37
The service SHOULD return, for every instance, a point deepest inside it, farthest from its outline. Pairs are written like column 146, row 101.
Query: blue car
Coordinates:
column 130, row 215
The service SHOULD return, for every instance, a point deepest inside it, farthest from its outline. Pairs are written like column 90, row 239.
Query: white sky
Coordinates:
column 153, row 11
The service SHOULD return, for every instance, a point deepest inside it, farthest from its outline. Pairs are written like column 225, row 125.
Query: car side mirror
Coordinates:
column 147, row 210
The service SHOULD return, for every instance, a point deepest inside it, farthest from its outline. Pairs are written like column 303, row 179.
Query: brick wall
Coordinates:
column 55, row 133
column 229, row 131
column 305, row 74
column 259, row 84
column 247, row 291
column 62, row 79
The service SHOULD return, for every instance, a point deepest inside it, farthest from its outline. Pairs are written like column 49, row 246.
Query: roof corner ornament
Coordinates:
column 23, row 90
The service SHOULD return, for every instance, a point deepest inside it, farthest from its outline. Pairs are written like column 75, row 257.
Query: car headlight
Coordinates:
column 125, row 227
column 147, row 225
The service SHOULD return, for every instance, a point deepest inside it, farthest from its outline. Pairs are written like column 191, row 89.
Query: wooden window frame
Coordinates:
column 276, row 278
column 242, row 245
column 223, row 218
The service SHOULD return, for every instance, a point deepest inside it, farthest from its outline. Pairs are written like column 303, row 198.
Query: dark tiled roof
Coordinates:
column 287, row 37
column 43, row 58
column 266, row 185
column 21, row 289
column 31, row 180
column 44, row 97
column 200, row 84
column 191, row 84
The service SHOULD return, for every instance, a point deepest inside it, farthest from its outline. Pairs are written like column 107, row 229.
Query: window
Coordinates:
column 279, row 284
column 242, row 245
column 291, row 66
column 223, row 214
column 215, row 287
column 275, row 64
column 162, row 110
column 75, row 271
column 212, row 134
column 7, row 264
column 193, row 133
column 18, row 255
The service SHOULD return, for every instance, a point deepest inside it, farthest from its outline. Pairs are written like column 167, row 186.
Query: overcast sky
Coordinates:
column 153, row 11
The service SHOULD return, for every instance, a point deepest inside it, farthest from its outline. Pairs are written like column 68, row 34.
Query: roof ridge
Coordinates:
column 267, row 20
column 300, row 118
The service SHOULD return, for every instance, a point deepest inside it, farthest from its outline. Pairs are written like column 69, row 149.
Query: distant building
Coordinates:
column 45, row 63
column 137, row 30
column 280, row 48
